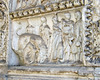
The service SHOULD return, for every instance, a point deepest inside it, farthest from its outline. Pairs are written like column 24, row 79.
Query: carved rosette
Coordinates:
column 3, row 31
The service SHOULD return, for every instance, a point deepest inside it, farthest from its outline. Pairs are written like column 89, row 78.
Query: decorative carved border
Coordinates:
column 88, row 28
column 89, row 50
column 3, row 29
column 45, row 9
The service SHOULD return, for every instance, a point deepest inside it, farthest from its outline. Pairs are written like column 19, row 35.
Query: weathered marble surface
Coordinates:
column 49, row 40
column 3, row 31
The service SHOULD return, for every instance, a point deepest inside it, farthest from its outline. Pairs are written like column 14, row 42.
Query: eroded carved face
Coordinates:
column 55, row 19
column 97, row 2
column 68, row 16
column 78, row 15
column 98, row 11
column 43, row 19
column 97, row 7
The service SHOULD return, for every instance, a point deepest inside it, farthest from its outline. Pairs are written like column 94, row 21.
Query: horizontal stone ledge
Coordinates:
column 43, row 77
column 71, row 71
column 44, row 9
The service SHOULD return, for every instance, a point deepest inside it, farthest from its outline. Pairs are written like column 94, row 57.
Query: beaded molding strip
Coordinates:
column 48, row 8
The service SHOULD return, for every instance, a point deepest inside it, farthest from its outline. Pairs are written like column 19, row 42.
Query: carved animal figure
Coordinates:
column 31, row 45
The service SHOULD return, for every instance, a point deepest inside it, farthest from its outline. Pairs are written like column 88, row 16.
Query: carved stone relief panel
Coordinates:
column 49, row 39
column 3, row 31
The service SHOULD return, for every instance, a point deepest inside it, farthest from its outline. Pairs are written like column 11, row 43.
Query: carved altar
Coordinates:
column 50, row 39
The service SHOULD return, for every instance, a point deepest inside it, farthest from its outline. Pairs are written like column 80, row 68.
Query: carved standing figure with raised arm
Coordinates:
column 57, row 39
column 78, row 37
column 30, row 53
column 45, row 32
column 67, row 28
column 19, row 4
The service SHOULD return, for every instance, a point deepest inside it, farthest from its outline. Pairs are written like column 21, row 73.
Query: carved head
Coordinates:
column 67, row 15
column 97, row 2
column 97, row 11
column 78, row 15
column 43, row 19
column 97, row 7
column 55, row 19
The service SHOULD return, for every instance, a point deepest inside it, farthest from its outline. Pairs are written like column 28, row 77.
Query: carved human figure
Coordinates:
column 46, row 2
column 19, row 4
column 43, row 54
column 35, row 52
column 33, row 3
column 30, row 29
column 78, row 37
column 60, row 53
column 30, row 53
column 45, row 31
column 24, row 4
column 67, row 28
column 97, row 7
column 42, row 51
column 57, row 39
column 97, row 37
column 28, row 3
